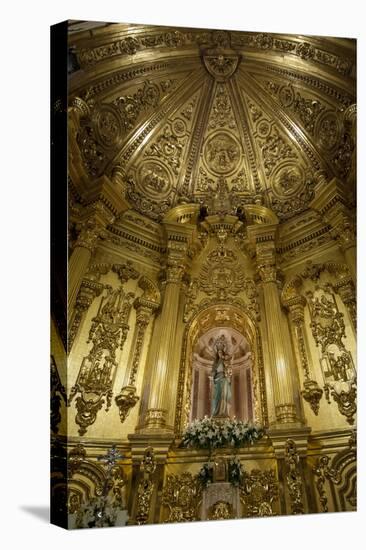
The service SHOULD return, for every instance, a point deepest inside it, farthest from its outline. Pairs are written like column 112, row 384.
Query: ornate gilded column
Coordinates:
column 312, row 393
column 127, row 398
column 80, row 257
column 162, row 377
column 332, row 202
column 281, row 357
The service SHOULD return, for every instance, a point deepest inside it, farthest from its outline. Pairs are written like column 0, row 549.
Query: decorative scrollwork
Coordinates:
column 221, row 113
column 221, row 510
column 181, row 494
column 107, row 333
column 344, row 394
column 327, row 130
column 57, row 393
column 221, row 67
column 332, row 471
column 103, row 507
column 293, row 478
column 89, row 290
column 145, row 487
column 258, row 491
column 275, row 149
column 125, row 271
column 327, row 323
column 167, row 147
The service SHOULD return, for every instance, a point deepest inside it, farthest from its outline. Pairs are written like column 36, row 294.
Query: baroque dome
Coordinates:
column 189, row 115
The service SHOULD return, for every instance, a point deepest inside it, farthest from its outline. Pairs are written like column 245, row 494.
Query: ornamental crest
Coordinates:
column 221, row 275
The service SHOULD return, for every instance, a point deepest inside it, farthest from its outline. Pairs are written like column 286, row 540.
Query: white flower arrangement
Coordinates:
column 209, row 433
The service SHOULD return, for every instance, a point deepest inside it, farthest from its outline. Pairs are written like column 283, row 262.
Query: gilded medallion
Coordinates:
column 222, row 153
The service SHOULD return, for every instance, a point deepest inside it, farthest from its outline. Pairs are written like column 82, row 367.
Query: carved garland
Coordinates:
column 108, row 332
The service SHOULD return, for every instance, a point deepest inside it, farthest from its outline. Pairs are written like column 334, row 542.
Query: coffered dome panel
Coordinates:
column 181, row 113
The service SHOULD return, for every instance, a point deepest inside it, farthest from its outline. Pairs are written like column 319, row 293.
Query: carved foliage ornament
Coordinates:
column 89, row 290
column 145, row 487
column 168, row 147
column 306, row 109
column 130, row 45
column 312, row 394
column 258, row 491
column 344, row 394
column 144, row 204
column 327, row 321
column 181, row 494
column 221, row 114
column 102, row 126
column 90, row 231
column 293, row 478
column 222, row 276
column 325, row 470
column 275, row 149
column 108, row 332
column 57, row 393
column 221, row 66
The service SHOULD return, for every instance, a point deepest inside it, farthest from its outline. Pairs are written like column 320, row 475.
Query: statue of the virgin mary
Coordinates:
column 221, row 373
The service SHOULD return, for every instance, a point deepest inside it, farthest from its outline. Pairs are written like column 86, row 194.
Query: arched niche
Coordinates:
column 218, row 319
column 241, row 364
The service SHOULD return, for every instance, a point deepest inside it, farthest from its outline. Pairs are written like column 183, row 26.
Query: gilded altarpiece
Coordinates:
column 209, row 366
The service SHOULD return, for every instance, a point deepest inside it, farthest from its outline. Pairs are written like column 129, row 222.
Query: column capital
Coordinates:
column 174, row 271
column 176, row 260
column 89, row 234
column 144, row 310
column 267, row 273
